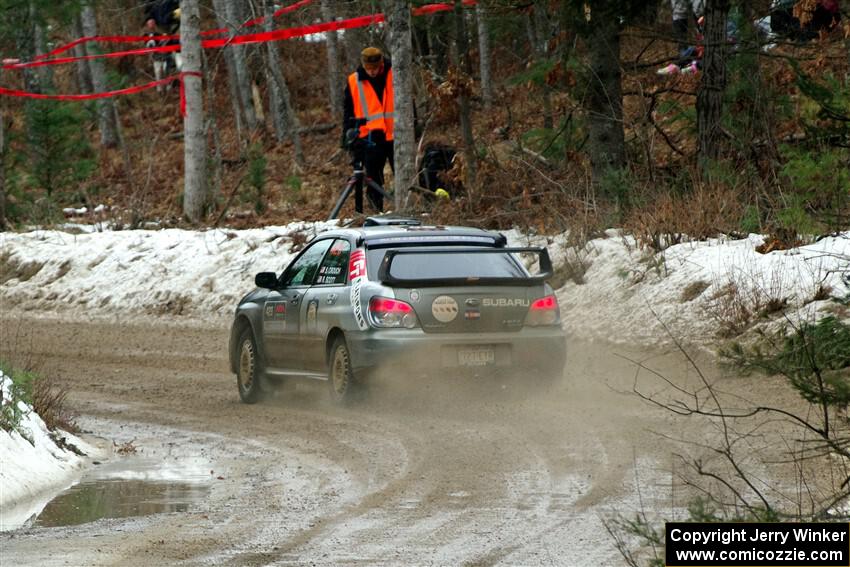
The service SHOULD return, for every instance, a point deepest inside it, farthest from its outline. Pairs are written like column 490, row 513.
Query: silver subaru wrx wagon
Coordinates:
column 394, row 292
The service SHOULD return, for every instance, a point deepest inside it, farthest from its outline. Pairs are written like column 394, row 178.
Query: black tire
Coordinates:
column 342, row 383
column 248, row 368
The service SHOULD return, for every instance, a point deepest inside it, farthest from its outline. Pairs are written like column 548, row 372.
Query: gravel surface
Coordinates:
column 423, row 472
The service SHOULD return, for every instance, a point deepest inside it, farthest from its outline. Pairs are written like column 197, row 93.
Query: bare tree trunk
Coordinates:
column 272, row 59
column 195, row 196
column 280, row 92
column 214, row 173
column 276, row 108
column 106, row 113
column 236, row 16
column 484, row 54
column 542, row 29
column 568, row 35
column 606, row 142
column 83, row 71
column 404, row 137
column 334, row 74
column 760, row 114
column 229, row 15
column 713, row 81
column 45, row 74
column 463, row 99
column 230, row 62
column 24, row 34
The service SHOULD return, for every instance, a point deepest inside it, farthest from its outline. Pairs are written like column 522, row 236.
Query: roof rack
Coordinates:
column 391, row 221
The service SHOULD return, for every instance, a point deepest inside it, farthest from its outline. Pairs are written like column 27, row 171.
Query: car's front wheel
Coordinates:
column 343, row 385
column 249, row 369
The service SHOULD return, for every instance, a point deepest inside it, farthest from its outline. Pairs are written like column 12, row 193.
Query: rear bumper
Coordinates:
column 534, row 349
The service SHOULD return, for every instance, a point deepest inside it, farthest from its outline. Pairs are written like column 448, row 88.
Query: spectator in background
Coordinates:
column 682, row 9
column 162, row 16
column 688, row 54
column 368, row 119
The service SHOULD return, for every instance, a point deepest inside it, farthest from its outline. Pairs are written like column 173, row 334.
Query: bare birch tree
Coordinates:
column 230, row 15
column 404, row 137
column 83, row 69
column 195, row 148
column 334, row 74
column 484, row 54
column 283, row 115
column 230, row 63
column 107, row 116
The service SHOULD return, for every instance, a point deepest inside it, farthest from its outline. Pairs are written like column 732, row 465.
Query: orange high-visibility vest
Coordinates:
column 378, row 114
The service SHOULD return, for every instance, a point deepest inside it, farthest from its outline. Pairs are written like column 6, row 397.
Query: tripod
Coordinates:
column 355, row 183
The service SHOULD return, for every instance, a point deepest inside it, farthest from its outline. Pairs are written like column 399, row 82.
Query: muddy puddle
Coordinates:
column 90, row 501
column 121, row 488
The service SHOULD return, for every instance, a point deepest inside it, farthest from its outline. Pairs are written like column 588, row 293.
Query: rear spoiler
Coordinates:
column 385, row 275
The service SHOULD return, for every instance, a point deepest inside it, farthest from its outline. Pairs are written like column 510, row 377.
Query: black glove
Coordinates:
column 350, row 137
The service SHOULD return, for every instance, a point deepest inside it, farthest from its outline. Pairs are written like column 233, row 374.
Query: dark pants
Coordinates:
column 374, row 156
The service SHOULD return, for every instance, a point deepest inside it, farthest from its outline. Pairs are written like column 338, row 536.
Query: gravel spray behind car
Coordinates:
column 358, row 299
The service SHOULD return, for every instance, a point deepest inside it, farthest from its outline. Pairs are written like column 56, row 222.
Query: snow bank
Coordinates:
column 699, row 290
column 165, row 272
column 32, row 467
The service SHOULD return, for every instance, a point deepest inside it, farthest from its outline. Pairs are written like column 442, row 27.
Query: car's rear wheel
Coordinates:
column 343, row 385
column 249, row 369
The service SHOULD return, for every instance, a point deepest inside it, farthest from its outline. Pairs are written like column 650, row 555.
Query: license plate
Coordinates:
column 476, row 356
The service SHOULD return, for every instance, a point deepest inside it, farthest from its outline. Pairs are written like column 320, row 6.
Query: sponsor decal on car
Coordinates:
column 275, row 311
column 357, row 275
column 415, row 296
column 312, row 313
column 444, row 308
column 329, row 275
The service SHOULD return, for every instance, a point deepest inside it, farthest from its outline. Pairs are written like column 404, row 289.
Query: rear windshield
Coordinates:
column 426, row 264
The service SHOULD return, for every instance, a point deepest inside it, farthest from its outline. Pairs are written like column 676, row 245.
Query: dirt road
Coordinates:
column 419, row 474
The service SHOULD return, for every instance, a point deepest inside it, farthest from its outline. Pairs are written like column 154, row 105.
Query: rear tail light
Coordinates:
column 385, row 312
column 544, row 311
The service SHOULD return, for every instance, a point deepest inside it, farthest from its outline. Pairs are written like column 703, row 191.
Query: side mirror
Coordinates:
column 267, row 280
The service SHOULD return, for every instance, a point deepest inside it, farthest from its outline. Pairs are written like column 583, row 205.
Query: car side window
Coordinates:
column 303, row 271
column 334, row 268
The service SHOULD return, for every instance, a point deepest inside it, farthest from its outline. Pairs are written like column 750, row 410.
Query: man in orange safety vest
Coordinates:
column 368, row 119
